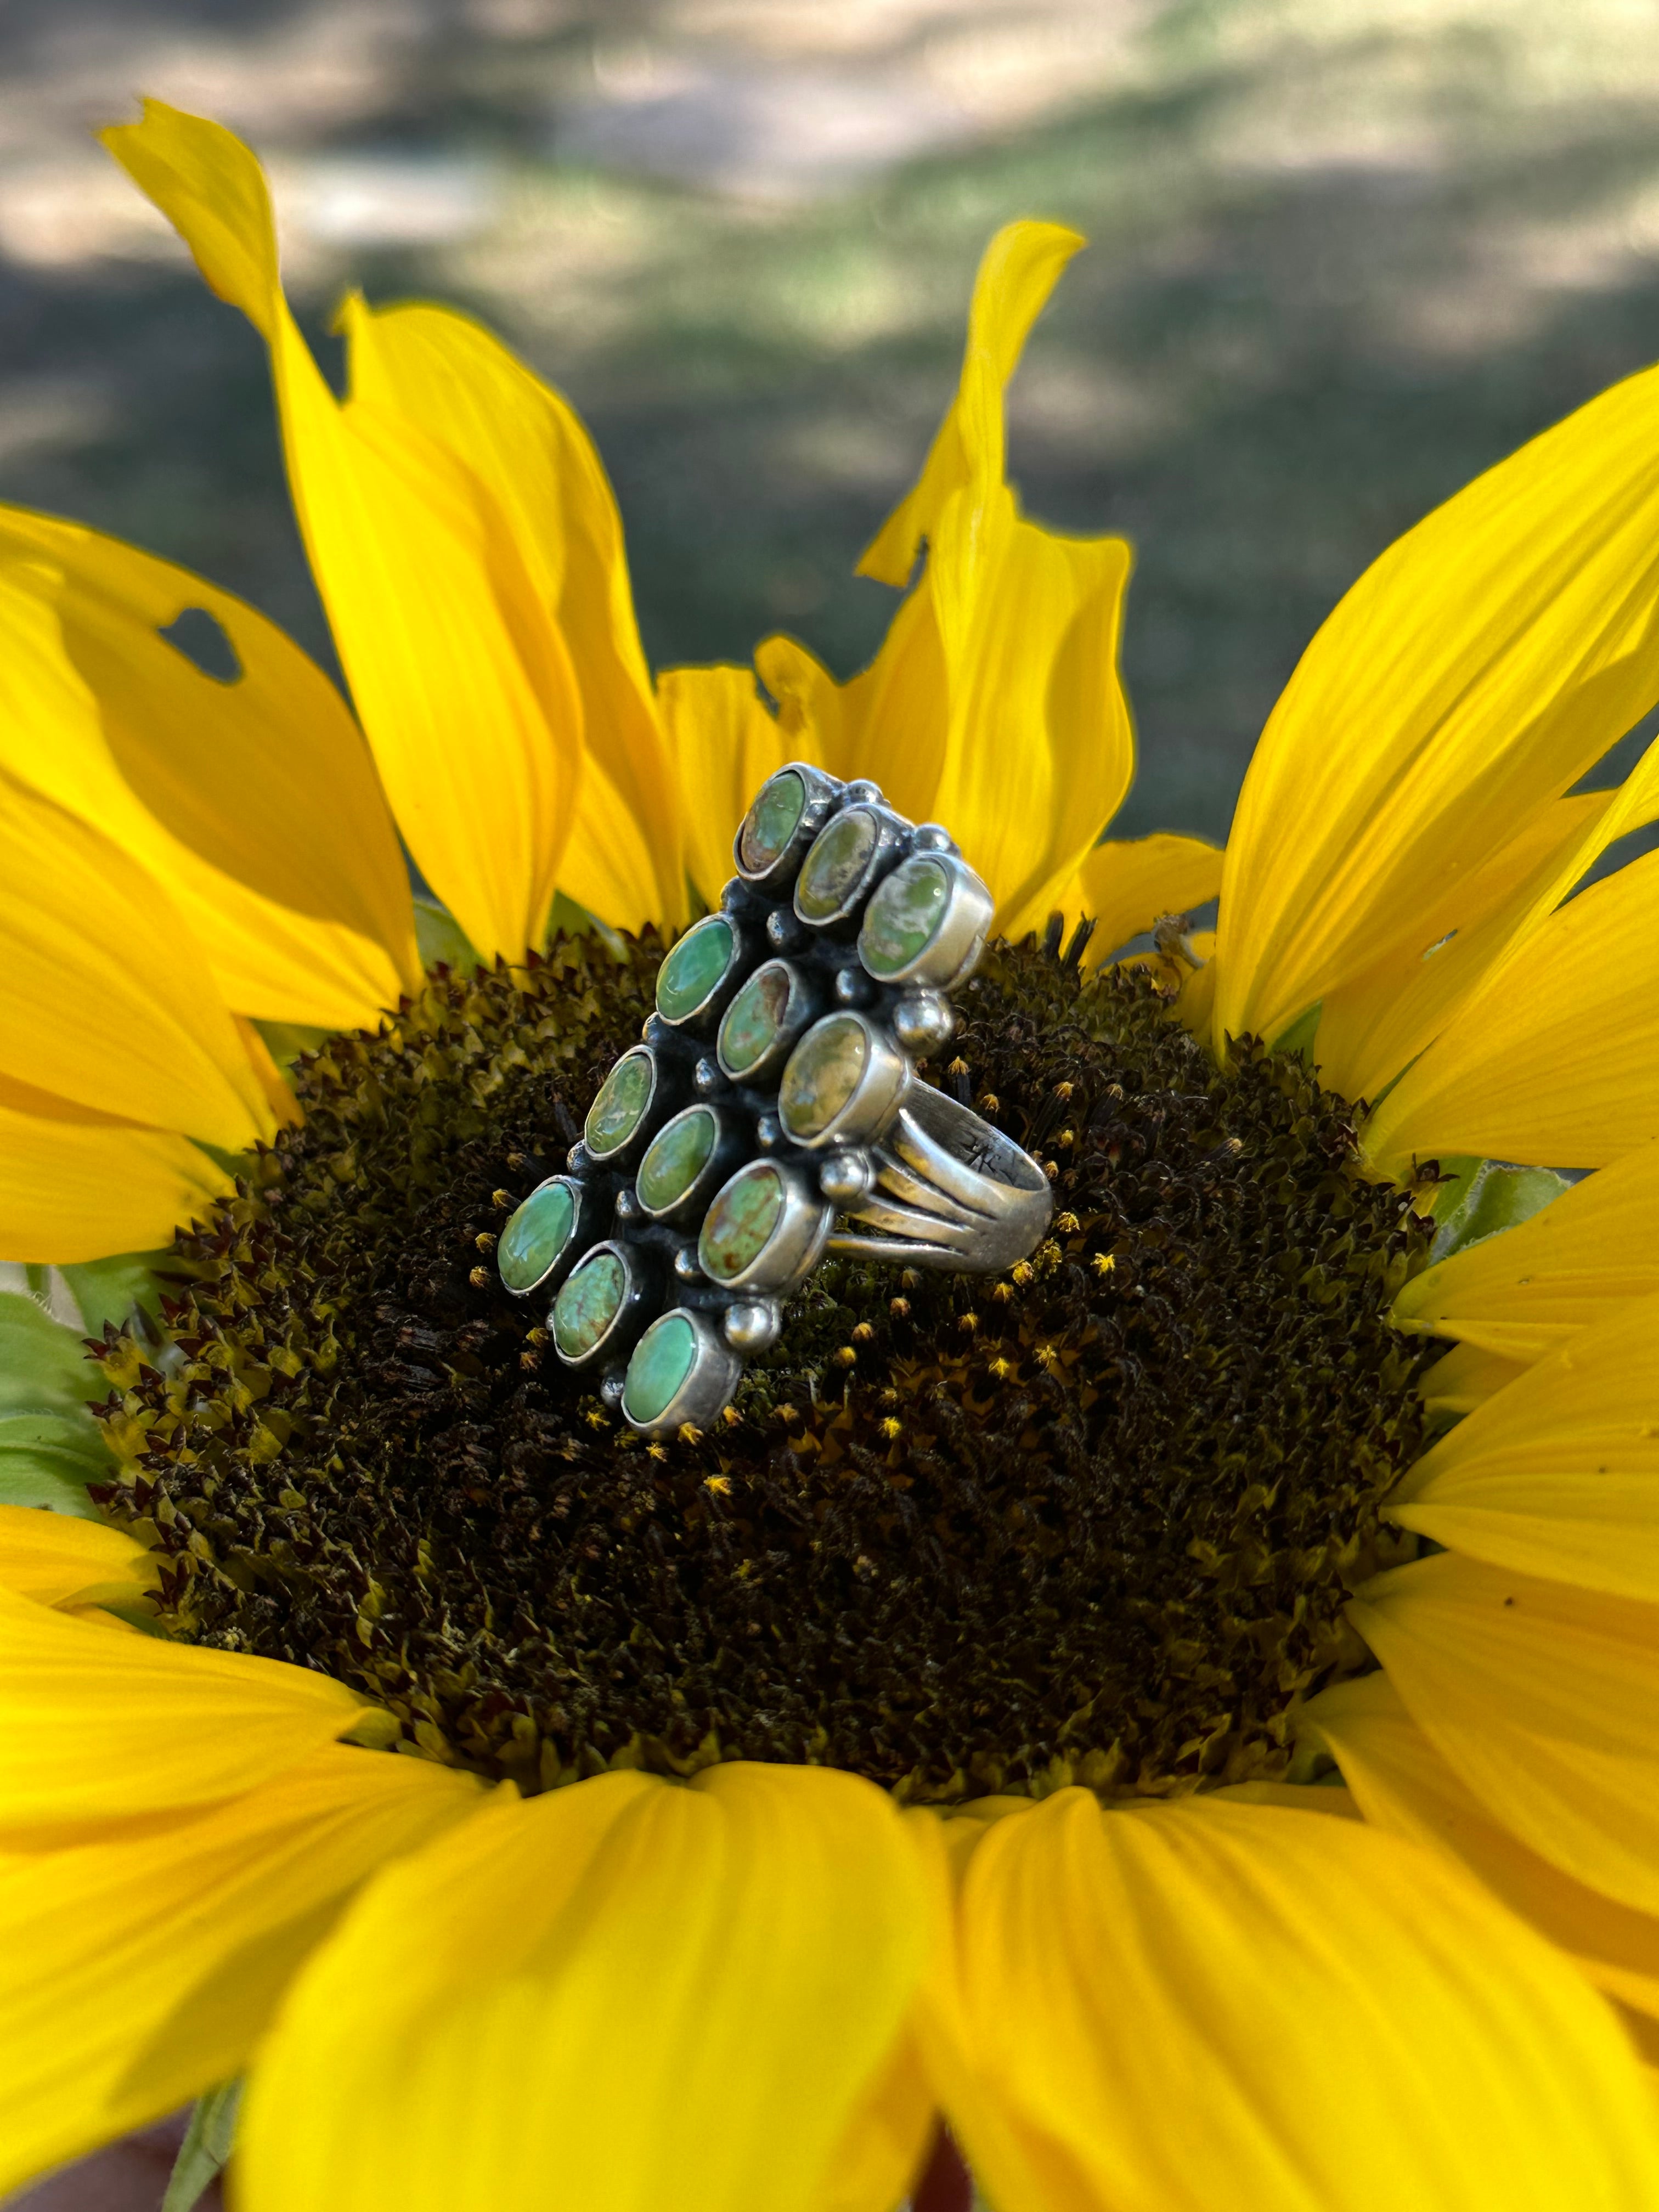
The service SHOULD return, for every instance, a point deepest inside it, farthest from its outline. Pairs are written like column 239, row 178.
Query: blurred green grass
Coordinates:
column 1341, row 260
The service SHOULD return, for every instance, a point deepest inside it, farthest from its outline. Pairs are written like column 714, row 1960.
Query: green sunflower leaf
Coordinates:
column 207, row 2145
column 51, row 1448
column 1492, row 1198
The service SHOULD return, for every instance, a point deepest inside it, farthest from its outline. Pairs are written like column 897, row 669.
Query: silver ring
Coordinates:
column 774, row 1095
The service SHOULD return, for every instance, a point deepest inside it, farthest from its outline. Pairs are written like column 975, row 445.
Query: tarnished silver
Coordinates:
column 799, row 1027
column 950, row 1192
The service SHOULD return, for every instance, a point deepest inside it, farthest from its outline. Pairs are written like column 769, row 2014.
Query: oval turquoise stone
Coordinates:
column 533, row 1242
column 663, row 1359
column 695, row 968
column 755, row 1017
column 771, row 822
column 903, row 919
column 620, row 1107
column 675, row 1157
column 740, row 1223
column 833, row 868
column 822, row 1072
column 589, row 1300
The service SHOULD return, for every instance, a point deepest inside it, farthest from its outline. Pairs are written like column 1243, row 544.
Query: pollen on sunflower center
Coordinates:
column 1097, row 1521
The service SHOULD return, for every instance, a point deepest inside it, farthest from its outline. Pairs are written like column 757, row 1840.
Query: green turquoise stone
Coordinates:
column 740, row 1223
column 674, row 1159
column 663, row 1359
column 755, row 1019
column 589, row 1300
column 833, row 870
column 623, row 1096
column 693, row 971
column 533, row 1244
column 903, row 917
column 823, row 1072
column 771, row 822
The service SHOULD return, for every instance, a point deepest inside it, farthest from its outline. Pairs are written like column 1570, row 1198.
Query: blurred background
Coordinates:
column 1345, row 253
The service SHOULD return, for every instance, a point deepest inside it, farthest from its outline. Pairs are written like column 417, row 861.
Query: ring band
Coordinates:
column 773, row 1094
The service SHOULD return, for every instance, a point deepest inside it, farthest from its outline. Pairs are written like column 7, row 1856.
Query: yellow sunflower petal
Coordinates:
column 1526, row 1293
column 812, row 707
column 1126, row 885
column 525, row 444
column 696, row 1985
column 143, row 1965
column 723, row 745
column 75, row 1184
column 1018, row 270
column 1470, row 676
column 886, row 2143
column 254, row 801
column 99, row 1728
column 1554, row 1060
column 463, row 683
column 1557, row 1476
column 103, row 997
column 1546, row 1700
column 1029, row 623
column 1401, row 1783
column 1376, row 1023
column 1206, row 2005
column 1467, row 1378
column 58, row 1560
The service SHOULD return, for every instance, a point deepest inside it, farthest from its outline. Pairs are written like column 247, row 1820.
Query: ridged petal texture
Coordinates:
column 725, row 744
column 1544, row 1698
column 1188, row 2007
column 151, row 1921
column 1402, row 1784
column 1470, row 678
column 60, row 1561
column 445, row 613
column 1554, row 1060
column 105, row 992
column 1557, row 1474
column 1526, row 1293
column 998, row 680
column 254, row 799
column 620, row 1996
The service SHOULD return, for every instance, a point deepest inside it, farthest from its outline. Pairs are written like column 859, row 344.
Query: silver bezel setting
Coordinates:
column 629, row 1317
column 627, row 1152
column 731, row 978
column 802, row 1005
column 887, row 849
column 709, row 1382
column 952, row 952
column 581, row 1229
column 823, row 795
column 715, row 1170
column 796, row 1243
column 883, row 1083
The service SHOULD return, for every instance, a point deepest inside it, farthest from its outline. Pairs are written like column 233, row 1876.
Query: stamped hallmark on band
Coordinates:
column 772, row 1111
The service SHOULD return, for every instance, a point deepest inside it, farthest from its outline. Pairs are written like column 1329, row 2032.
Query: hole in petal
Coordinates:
column 205, row 643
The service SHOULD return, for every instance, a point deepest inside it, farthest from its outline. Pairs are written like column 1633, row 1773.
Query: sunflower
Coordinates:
column 1181, row 1717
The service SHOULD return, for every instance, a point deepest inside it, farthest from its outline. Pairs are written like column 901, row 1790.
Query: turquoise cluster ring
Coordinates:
column 772, row 1111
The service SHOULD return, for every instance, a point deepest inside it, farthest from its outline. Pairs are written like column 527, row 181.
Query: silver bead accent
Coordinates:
column 932, row 837
column 847, row 1178
column 752, row 1325
column 685, row 1264
column 923, row 1023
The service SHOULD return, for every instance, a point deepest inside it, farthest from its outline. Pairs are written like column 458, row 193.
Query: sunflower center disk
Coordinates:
column 1096, row 1521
